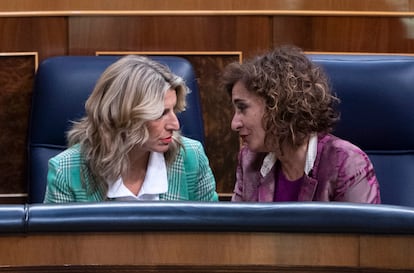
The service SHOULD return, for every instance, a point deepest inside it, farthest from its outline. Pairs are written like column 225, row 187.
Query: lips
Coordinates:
column 167, row 140
column 243, row 138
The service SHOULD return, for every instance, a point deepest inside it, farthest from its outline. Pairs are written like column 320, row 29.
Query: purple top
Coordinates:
column 341, row 172
column 287, row 190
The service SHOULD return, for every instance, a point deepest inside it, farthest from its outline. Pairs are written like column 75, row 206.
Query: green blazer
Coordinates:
column 189, row 177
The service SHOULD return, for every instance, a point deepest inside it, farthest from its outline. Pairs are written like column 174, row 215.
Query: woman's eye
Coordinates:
column 163, row 114
column 241, row 107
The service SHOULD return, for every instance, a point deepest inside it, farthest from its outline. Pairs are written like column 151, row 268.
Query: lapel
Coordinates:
column 92, row 194
column 177, row 174
column 266, row 186
column 308, row 189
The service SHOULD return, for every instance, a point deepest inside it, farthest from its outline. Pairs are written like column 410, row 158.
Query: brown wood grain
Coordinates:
column 204, row 251
column 387, row 251
column 345, row 34
column 168, row 33
column 16, row 80
column 194, row 269
column 46, row 36
column 333, row 5
column 169, row 248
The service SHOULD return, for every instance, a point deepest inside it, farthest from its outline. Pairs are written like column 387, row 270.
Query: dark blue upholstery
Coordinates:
column 377, row 114
column 62, row 86
column 311, row 217
column 304, row 217
column 13, row 218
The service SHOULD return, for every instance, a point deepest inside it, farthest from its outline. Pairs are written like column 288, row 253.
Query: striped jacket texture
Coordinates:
column 189, row 178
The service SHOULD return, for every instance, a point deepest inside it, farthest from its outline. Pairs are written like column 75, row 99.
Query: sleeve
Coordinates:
column 58, row 189
column 238, row 188
column 199, row 173
column 357, row 181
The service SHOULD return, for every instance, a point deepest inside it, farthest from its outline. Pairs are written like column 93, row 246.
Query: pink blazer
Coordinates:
column 341, row 172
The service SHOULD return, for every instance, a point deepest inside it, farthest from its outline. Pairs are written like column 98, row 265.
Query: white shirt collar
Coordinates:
column 270, row 158
column 155, row 182
column 268, row 163
column 311, row 153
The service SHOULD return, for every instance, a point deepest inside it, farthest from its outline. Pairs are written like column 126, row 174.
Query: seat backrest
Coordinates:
column 62, row 85
column 377, row 114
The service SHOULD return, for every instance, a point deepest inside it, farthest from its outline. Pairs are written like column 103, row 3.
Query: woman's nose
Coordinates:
column 236, row 123
column 173, row 123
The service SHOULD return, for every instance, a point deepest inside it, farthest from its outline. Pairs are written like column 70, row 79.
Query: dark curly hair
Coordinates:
column 296, row 91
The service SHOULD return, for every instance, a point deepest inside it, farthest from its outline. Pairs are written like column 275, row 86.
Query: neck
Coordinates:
column 293, row 161
column 134, row 176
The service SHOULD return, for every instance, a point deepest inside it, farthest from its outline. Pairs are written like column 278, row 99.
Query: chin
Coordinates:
column 256, row 149
column 162, row 149
column 252, row 148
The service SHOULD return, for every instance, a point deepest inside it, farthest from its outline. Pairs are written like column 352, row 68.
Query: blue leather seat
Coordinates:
column 62, row 85
column 305, row 217
column 309, row 217
column 13, row 218
column 377, row 114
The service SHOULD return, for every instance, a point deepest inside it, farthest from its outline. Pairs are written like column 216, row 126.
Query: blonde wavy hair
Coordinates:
column 129, row 93
column 296, row 92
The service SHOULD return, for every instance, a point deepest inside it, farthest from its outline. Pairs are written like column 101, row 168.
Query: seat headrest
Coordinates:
column 377, row 96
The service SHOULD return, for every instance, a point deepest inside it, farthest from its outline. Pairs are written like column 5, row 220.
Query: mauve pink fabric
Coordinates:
column 341, row 172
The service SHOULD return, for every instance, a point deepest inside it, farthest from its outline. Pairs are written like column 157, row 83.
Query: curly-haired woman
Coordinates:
column 284, row 114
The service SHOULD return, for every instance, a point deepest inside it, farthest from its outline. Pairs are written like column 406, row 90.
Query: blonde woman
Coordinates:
column 128, row 147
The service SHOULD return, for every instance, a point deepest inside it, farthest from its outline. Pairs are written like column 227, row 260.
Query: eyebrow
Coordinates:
column 239, row 101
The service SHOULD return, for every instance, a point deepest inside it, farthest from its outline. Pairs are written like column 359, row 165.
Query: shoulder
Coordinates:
column 191, row 153
column 69, row 157
column 333, row 143
column 340, row 152
column 191, row 148
column 189, row 143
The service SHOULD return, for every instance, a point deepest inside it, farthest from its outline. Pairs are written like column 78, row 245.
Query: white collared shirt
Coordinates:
column 311, row 153
column 270, row 158
column 155, row 182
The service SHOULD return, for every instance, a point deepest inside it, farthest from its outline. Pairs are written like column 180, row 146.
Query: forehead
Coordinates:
column 240, row 93
column 170, row 96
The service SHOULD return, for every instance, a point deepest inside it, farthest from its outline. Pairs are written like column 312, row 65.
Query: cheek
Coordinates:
column 258, row 128
column 256, row 120
column 259, row 119
column 154, row 128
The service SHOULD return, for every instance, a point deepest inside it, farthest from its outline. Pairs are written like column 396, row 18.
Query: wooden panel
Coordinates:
column 374, row 34
column 387, row 252
column 168, row 33
column 168, row 248
column 194, row 269
column 305, row 5
column 346, row 34
column 16, row 79
column 47, row 36
column 296, row 30
column 206, row 252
